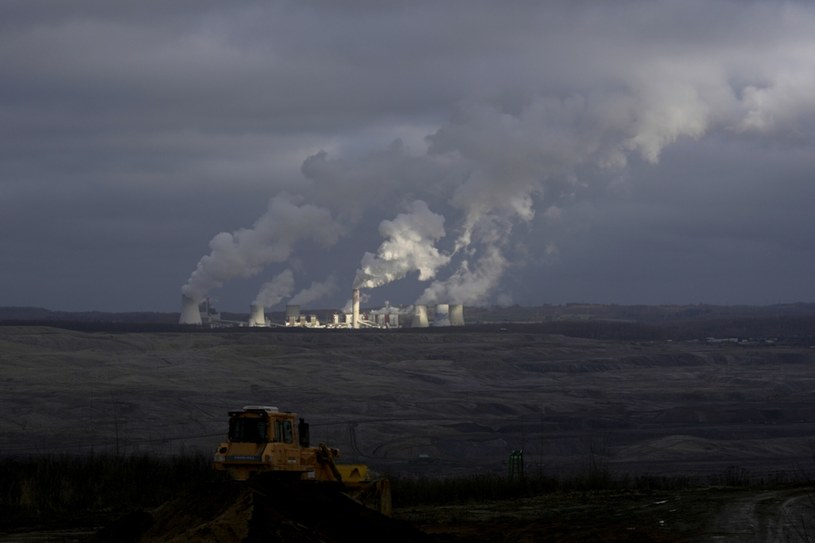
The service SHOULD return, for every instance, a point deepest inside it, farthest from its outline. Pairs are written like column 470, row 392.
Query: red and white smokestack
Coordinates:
column 355, row 309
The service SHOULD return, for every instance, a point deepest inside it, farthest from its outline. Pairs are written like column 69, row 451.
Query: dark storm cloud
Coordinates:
column 561, row 140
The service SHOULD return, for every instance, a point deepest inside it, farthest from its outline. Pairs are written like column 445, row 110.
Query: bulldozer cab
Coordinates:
column 248, row 428
column 266, row 425
column 262, row 439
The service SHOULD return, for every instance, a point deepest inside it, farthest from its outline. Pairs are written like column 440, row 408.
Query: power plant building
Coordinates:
column 198, row 313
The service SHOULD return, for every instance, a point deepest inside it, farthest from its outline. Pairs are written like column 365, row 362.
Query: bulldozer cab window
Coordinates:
column 283, row 431
column 248, row 430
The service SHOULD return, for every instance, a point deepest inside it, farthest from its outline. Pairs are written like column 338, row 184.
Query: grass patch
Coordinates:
column 48, row 489
column 414, row 491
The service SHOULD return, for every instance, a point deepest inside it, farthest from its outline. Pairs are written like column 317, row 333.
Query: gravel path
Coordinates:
column 781, row 516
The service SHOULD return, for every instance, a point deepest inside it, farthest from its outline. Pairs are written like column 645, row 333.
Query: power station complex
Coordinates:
column 193, row 312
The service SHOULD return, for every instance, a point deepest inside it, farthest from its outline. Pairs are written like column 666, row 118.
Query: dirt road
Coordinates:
column 779, row 516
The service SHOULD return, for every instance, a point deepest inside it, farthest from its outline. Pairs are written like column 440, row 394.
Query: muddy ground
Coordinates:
column 421, row 403
column 243, row 512
column 704, row 515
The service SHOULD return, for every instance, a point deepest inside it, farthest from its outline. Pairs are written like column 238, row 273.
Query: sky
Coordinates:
column 519, row 152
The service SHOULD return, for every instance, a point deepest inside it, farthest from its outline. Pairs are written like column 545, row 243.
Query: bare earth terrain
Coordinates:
column 423, row 402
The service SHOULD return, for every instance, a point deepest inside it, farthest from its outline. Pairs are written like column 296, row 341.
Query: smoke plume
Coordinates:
column 314, row 292
column 470, row 284
column 505, row 153
column 245, row 252
column 272, row 292
column 408, row 246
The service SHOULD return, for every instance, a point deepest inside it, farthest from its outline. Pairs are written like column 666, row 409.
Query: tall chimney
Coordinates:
column 355, row 310
column 256, row 315
column 189, row 311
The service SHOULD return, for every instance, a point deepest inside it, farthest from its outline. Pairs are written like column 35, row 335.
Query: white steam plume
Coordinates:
column 280, row 287
column 508, row 151
column 364, row 298
column 535, row 153
column 245, row 252
column 408, row 246
column 314, row 292
column 469, row 284
column 535, row 150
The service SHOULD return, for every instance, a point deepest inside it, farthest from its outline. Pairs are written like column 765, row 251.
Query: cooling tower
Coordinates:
column 442, row 315
column 355, row 310
column 189, row 311
column 256, row 315
column 419, row 316
column 456, row 315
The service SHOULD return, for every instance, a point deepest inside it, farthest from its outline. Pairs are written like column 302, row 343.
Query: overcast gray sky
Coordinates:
column 480, row 152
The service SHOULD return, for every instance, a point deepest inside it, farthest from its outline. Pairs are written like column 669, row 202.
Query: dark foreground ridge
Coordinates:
column 262, row 510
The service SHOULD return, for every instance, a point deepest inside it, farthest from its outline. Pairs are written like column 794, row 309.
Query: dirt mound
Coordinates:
column 261, row 511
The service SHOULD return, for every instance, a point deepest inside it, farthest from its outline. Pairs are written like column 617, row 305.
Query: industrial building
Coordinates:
column 199, row 313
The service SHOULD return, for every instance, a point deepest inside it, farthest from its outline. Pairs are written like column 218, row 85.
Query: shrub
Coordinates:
column 56, row 486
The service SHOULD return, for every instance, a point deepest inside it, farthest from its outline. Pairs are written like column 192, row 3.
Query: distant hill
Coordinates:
column 41, row 314
column 787, row 323
column 649, row 314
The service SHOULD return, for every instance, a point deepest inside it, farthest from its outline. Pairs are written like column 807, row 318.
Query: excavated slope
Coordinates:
column 265, row 511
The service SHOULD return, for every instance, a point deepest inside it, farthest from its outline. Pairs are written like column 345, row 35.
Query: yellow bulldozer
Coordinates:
column 263, row 441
